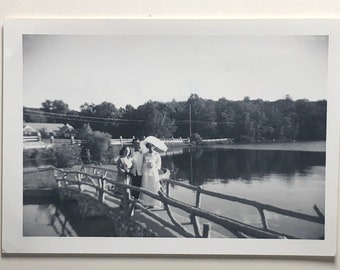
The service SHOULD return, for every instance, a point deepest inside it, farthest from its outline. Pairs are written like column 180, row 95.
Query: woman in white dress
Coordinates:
column 150, row 176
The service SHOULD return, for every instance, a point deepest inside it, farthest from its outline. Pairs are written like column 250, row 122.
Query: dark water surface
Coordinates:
column 63, row 219
column 293, row 180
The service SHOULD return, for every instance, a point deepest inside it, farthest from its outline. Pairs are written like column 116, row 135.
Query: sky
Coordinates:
column 134, row 69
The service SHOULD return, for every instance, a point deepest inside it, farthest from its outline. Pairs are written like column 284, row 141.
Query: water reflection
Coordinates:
column 293, row 180
column 64, row 219
column 201, row 165
column 46, row 220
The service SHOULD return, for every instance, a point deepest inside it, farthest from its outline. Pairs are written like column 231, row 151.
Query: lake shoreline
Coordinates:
column 35, row 178
column 312, row 146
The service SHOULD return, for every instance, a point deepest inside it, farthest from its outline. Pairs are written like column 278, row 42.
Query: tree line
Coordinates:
column 244, row 120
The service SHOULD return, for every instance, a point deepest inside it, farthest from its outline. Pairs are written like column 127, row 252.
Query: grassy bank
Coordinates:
column 37, row 179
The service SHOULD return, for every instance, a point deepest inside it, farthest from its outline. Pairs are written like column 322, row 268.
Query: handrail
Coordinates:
column 100, row 182
column 260, row 206
column 224, row 221
column 97, row 168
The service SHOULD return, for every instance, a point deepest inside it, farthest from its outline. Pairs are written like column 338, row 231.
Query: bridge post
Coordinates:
column 101, row 189
column 195, row 224
column 79, row 182
column 198, row 196
column 263, row 219
column 126, row 202
column 206, row 230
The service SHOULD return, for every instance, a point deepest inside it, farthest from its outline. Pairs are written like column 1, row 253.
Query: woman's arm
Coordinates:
column 134, row 166
column 120, row 166
column 158, row 161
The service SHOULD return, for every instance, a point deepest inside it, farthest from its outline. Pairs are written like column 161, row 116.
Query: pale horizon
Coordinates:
column 134, row 69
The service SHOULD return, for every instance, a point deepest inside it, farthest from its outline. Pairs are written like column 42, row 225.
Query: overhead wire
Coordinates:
column 81, row 116
column 95, row 119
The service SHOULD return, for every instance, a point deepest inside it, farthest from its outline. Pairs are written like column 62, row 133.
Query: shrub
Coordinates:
column 98, row 143
column 246, row 139
column 195, row 138
column 66, row 156
column 29, row 157
column 63, row 156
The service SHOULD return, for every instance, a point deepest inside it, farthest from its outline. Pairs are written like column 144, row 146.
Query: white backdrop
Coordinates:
column 167, row 9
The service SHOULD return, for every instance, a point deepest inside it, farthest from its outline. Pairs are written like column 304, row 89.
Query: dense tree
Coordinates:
column 311, row 117
column 50, row 112
column 244, row 120
column 102, row 117
column 248, row 121
column 158, row 121
column 286, row 124
column 203, row 116
column 129, row 123
column 225, row 113
column 32, row 115
column 55, row 106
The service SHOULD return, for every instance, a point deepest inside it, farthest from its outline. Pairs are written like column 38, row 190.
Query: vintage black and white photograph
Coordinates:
column 174, row 136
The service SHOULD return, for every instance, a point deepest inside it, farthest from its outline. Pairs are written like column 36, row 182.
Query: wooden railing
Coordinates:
column 319, row 218
column 102, row 181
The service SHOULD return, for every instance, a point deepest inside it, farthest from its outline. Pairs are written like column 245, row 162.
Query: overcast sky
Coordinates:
column 134, row 69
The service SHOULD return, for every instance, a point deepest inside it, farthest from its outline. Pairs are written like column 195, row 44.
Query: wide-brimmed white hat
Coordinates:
column 155, row 142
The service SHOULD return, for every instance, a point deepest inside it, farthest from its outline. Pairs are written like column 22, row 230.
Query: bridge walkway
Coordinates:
column 175, row 218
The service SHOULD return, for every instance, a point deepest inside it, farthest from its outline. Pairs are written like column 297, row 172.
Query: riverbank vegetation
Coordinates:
column 95, row 148
column 245, row 120
column 38, row 178
column 60, row 156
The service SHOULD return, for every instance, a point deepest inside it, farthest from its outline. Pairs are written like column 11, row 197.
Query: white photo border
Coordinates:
column 13, row 241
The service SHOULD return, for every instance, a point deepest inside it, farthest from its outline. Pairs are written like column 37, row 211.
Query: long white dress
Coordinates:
column 150, row 177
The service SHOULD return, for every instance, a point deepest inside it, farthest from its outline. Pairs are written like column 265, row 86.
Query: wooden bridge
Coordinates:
column 193, row 221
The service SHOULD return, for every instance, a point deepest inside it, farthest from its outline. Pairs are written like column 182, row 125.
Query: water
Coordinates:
column 293, row 180
column 54, row 218
column 44, row 220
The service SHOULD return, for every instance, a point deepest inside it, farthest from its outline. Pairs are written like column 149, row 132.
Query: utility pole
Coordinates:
column 190, row 120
